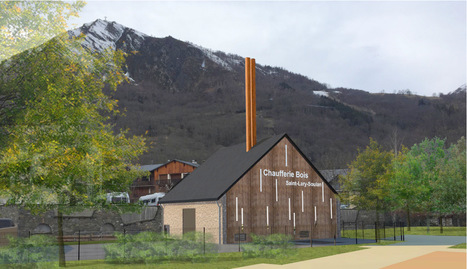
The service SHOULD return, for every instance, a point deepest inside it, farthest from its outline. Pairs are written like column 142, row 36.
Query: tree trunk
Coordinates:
column 61, row 245
column 408, row 219
column 440, row 224
column 428, row 223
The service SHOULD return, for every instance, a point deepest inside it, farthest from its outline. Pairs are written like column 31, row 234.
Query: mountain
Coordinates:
column 189, row 101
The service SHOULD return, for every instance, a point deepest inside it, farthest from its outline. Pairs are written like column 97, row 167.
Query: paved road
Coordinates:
column 431, row 240
column 418, row 251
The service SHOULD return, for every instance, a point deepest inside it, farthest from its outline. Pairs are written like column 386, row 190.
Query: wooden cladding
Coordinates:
column 250, row 102
column 282, row 193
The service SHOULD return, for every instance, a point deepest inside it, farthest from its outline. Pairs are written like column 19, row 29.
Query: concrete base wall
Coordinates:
column 206, row 214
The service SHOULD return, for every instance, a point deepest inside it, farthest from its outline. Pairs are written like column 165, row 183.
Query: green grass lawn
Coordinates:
column 459, row 246
column 388, row 232
column 434, row 230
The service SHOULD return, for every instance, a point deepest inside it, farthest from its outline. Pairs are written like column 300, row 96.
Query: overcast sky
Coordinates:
column 372, row 46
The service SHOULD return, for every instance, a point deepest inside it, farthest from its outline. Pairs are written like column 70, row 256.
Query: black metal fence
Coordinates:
column 377, row 231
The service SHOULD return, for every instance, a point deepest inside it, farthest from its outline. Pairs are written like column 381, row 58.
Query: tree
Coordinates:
column 405, row 183
column 366, row 185
column 416, row 177
column 449, row 194
column 27, row 24
column 60, row 152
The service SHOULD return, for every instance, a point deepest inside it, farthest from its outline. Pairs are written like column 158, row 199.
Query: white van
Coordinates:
column 118, row 198
column 151, row 199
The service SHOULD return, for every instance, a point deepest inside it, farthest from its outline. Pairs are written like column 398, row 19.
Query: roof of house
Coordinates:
column 152, row 167
column 222, row 170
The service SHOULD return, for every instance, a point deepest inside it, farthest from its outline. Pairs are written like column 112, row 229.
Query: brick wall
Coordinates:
column 206, row 216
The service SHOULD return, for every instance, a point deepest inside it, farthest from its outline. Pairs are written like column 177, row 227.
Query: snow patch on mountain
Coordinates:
column 101, row 35
column 321, row 93
column 210, row 55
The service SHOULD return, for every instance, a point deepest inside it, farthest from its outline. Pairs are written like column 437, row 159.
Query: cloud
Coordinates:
column 372, row 46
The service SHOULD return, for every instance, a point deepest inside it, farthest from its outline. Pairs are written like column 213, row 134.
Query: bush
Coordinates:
column 34, row 252
column 271, row 246
column 150, row 247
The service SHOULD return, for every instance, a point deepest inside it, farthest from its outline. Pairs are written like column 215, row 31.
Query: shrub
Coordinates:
column 270, row 246
column 150, row 247
column 34, row 252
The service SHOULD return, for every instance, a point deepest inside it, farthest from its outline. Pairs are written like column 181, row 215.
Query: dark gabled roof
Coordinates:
column 185, row 162
column 150, row 167
column 222, row 170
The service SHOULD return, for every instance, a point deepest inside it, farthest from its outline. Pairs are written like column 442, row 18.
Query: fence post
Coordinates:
column 376, row 232
column 204, row 240
column 343, row 228
column 384, row 230
column 79, row 245
column 124, row 243
column 311, row 234
column 394, row 231
column 356, row 231
column 363, row 230
column 403, row 232
column 239, row 239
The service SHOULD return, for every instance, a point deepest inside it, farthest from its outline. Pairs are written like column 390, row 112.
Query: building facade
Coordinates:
column 272, row 188
column 162, row 177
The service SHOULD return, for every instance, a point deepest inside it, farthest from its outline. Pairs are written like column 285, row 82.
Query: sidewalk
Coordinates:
column 378, row 257
column 416, row 252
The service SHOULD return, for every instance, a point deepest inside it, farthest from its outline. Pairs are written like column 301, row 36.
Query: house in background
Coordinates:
column 162, row 177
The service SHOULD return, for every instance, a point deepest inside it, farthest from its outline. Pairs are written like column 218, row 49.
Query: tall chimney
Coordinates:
column 250, row 103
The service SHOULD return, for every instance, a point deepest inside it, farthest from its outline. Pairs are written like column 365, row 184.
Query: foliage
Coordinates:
column 26, row 24
column 270, row 246
column 449, row 193
column 60, row 150
column 149, row 247
column 463, row 245
column 366, row 185
column 429, row 178
column 33, row 252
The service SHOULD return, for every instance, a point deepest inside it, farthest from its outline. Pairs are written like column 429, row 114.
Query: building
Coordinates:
column 162, row 177
column 270, row 188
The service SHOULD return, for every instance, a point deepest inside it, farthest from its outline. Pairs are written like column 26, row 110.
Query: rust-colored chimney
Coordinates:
column 250, row 102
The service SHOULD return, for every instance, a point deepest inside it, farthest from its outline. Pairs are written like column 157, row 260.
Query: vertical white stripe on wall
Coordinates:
column 242, row 216
column 322, row 190
column 294, row 220
column 285, row 155
column 303, row 205
column 236, row 208
column 330, row 204
column 290, row 218
column 315, row 215
column 276, row 191
column 267, row 215
column 260, row 180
